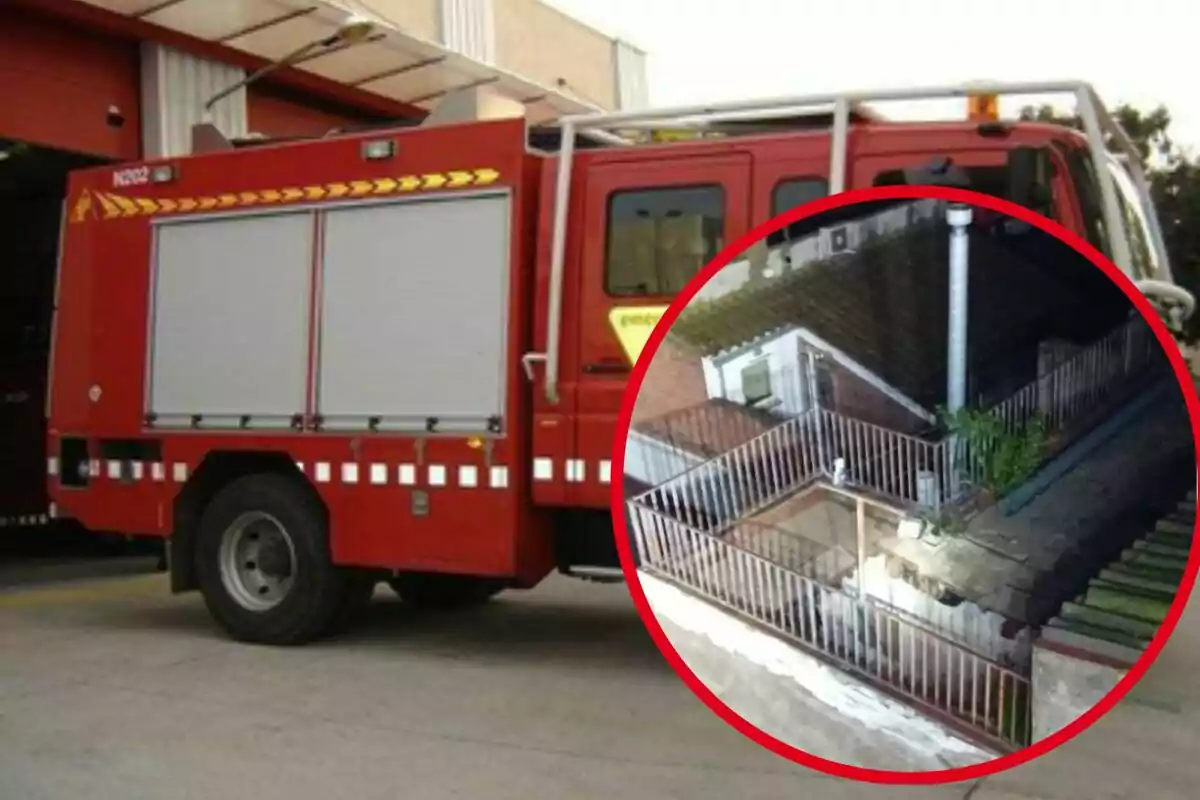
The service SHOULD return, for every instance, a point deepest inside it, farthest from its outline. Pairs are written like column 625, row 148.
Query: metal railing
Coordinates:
column 1074, row 388
column 881, row 647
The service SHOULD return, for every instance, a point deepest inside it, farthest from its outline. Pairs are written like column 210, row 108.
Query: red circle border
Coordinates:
column 621, row 531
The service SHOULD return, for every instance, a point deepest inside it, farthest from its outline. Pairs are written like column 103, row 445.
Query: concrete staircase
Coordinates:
column 1127, row 601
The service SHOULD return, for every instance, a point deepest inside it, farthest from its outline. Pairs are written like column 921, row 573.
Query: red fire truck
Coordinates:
column 312, row 366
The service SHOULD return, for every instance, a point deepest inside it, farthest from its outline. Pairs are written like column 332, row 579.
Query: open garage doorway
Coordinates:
column 32, row 189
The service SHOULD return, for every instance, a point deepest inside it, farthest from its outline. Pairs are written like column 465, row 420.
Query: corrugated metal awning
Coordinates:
column 389, row 62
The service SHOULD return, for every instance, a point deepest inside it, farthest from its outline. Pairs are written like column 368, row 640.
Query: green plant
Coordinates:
column 994, row 458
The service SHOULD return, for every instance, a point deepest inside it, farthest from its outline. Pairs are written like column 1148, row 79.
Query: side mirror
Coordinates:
column 1029, row 173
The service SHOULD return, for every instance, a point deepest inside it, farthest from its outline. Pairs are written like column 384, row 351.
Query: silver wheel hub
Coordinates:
column 258, row 561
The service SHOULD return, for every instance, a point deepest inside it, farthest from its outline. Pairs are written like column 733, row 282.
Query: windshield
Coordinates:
column 1146, row 263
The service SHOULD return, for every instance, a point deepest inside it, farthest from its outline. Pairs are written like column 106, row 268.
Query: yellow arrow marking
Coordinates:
column 106, row 203
column 292, row 194
column 227, row 200
column 359, row 188
column 633, row 326
column 485, row 176
column 314, row 192
column 385, row 186
column 147, row 206
column 433, row 180
column 409, row 182
column 167, row 205
column 83, row 207
column 248, row 198
column 459, row 178
column 207, row 202
column 338, row 190
column 127, row 206
column 269, row 196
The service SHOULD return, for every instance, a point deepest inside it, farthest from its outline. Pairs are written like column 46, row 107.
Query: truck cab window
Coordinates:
column 789, row 194
column 1091, row 208
column 658, row 239
column 992, row 180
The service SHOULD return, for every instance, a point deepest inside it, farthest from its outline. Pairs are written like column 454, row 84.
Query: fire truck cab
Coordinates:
column 314, row 366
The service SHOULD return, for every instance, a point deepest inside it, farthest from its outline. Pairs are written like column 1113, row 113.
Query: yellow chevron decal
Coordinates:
column 485, row 176
column 109, row 207
column 90, row 204
column 459, row 178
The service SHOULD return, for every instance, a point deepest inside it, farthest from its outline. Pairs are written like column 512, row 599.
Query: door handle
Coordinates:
column 607, row 368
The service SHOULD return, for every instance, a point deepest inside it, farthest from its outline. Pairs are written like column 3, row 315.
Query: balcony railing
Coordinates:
column 881, row 647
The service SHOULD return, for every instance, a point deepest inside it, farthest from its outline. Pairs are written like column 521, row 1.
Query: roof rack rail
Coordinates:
column 1099, row 127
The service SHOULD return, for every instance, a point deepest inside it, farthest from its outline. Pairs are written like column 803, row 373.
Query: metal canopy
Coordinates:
column 389, row 63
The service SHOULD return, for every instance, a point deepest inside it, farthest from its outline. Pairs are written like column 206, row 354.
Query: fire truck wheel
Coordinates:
column 262, row 560
column 434, row 591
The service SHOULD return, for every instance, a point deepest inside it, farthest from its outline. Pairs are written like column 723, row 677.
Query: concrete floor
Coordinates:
column 113, row 689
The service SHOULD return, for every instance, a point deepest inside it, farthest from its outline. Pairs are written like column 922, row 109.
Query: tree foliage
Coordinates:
column 1174, row 176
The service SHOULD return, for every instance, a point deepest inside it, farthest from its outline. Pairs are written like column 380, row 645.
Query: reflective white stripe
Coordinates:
column 575, row 470
column 52, row 465
column 499, row 477
column 605, row 471
column 468, row 477
column 437, row 475
column 543, row 469
column 407, row 474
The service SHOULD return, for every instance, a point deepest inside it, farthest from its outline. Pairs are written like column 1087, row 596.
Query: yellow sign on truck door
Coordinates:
column 633, row 326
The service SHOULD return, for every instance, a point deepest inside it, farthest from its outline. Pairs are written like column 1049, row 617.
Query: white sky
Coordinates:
column 1135, row 51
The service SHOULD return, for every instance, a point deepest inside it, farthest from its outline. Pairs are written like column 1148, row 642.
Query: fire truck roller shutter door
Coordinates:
column 414, row 315
column 229, row 344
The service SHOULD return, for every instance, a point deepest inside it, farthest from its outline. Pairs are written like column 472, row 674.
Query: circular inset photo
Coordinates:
column 910, row 483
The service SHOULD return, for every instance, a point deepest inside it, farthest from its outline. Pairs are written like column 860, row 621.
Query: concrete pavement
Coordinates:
column 113, row 689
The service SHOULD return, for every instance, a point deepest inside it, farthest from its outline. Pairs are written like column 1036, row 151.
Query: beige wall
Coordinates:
column 544, row 45
column 532, row 40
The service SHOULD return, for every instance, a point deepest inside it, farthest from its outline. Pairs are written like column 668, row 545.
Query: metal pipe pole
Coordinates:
column 860, row 520
column 959, row 217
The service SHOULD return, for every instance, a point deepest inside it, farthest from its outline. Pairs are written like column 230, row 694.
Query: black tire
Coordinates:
column 319, row 590
column 436, row 591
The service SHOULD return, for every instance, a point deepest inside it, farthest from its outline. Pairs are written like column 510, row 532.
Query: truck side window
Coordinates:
column 658, row 239
column 788, row 194
column 1091, row 207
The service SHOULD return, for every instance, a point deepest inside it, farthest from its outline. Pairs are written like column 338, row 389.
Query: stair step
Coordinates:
column 1182, row 541
column 1171, row 577
column 1168, row 526
column 1120, row 577
column 1126, row 602
column 1135, row 556
column 1109, row 620
column 1162, row 549
column 1097, row 632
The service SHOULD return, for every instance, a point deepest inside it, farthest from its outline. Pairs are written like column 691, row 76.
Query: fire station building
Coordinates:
column 89, row 82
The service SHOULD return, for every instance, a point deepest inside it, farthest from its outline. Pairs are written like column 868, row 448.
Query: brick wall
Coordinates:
column 674, row 380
